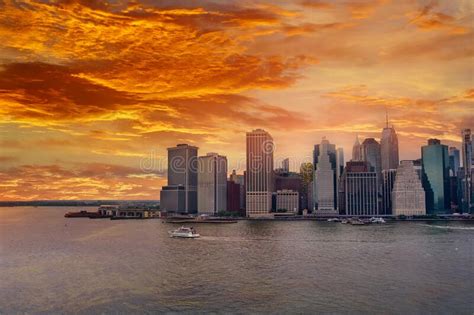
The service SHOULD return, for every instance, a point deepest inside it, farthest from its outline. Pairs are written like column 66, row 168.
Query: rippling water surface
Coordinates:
column 50, row 264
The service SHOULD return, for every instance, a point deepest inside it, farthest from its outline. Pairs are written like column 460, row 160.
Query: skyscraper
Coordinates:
column 389, row 148
column 454, row 161
column 358, row 191
column 356, row 151
column 325, row 178
column 408, row 194
column 435, row 161
column 339, row 163
column 371, row 153
column 467, row 164
column 259, row 179
column 239, row 179
column 388, row 180
column 180, row 195
column 285, row 165
column 212, row 183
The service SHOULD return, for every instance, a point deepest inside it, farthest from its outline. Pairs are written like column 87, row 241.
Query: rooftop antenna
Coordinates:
column 386, row 117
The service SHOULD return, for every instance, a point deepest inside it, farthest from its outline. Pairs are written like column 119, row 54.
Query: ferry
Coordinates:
column 184, row 232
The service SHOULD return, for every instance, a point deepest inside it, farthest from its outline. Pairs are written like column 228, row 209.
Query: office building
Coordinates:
column 287, row 200
column 358, row 192
column 389, row 148
column 408, row 193
column 370, row 150
column 180, row 195
column 468, row 165
column 454, row 161
column 239, row 179
column 259, row 176
column 212, row 183
column 388, row 180
column 325, row 179
column 356, row 151
column 435, row 162
column 233, row 197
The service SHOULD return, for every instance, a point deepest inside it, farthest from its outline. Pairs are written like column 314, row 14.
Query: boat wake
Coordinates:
column 447, row 227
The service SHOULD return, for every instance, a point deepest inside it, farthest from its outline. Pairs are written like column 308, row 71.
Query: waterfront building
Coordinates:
column 180, row 195
column 290, row 181
column 435, row 162
column 408, row 193
column 468, row 167
column 389, row 148
column 358, row 192
column 356, row 150
column 325, row 179
column 287, row 200
column 212, row 183
column 259, row 176
column 388, row 180
column 306, row 196
column 239, row 179
column 233, row 197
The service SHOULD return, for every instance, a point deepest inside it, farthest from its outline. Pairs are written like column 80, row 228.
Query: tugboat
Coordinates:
column 184, row 232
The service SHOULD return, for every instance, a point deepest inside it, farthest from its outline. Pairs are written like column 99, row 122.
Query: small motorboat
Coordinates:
column 334, row 220
column 344, row 221
column 184, row 232
column 377, row 220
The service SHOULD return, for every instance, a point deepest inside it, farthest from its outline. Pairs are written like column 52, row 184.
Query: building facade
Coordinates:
column 180, row 195
column 467, row 164
column 212, row 183
column 287, row 200
column 259, row 174
column 388, row 180
column 371, row 154
column 389, row 148
column 435, row 163
column 358, row 191
column 325, row 179
column 233, row 197
column 356, row 151
column 239, row 179
column 408, row 193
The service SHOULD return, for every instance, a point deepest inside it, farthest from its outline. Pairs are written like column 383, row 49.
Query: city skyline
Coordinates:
column 92, row 90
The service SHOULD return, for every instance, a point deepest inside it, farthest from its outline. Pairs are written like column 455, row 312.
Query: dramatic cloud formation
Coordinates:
column 90, row 89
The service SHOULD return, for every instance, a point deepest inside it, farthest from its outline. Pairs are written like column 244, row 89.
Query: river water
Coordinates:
column 50, row 264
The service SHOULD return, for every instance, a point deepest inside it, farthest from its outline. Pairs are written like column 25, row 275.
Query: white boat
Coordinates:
column 344, row 221
column 334, row 220
column 184, row 232
column 377, row 220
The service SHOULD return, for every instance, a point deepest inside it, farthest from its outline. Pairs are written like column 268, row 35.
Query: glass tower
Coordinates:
column 435, row 165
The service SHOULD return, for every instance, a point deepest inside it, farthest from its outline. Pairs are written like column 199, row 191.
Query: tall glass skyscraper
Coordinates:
column 467, row 164
column 212, row 183
column 435, row 163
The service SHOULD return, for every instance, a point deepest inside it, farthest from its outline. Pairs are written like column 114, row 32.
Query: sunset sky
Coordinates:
column 93, row 92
